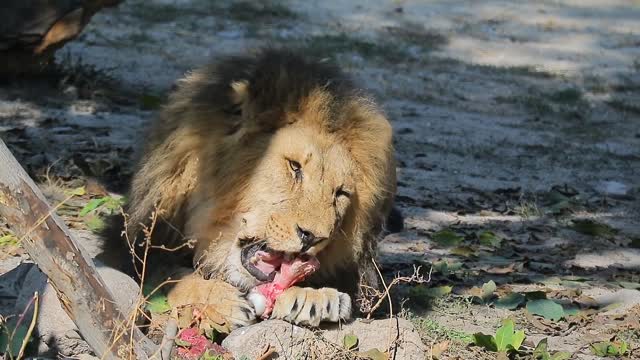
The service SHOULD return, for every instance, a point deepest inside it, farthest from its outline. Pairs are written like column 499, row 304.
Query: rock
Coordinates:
column 614, row 258
column 57, row 333
column 293, row 342
column 10, row 284
column 620, row 301
column 613, row 189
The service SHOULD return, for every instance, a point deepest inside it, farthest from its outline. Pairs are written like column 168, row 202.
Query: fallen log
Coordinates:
column 32, row 30
column 71, row 272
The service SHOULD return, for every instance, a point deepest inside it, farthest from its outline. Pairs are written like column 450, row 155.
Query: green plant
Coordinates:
column 92, row 211
column 609, row 348
column 541, row 352
column 489, row 238
column 109, row 203
column 432, row 329
column 8, row 240
column 447, row 238
column 350, row 341
column 506, row 339
column 567, row 96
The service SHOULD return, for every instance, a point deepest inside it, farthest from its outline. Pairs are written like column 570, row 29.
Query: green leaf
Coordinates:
column 570, row 310
column 180, row 342
column 211, row 333
column 609, row 348
column 79, row 191
column 488, row 289
column 94, row 223
column 150, row 101
column 8, row 240
column 518, row 339
column 429, row 292
column 600, row 348
column 374, row 354
column 465, row 251
column 541, row 266
column 561, row 355
column 546, row 308
column 573, row 284
column 535, row 295
column 447, row 238
column 211, row 356
column 541, row 352
column 575, row 278
column 612, row 306
column 158, row 303
column 12, row 344
column 504, row 335
column 486, row 341
column 92, row 205
column 510, row 302
column 488, row 238
column 624, row 284
column 350, row 341
column 622, row 347
column 446, row 267
column 590, row 227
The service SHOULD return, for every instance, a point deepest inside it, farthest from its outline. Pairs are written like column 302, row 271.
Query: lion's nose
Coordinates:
column 306, row 236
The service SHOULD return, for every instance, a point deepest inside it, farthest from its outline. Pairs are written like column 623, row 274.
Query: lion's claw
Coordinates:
column 307, row 306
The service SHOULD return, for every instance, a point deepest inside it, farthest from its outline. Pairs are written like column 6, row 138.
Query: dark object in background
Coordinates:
column 395, row 221
column 32, row 30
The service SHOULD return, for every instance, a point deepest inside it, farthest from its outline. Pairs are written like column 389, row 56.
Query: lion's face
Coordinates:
column 301, row 191
column 291, row 164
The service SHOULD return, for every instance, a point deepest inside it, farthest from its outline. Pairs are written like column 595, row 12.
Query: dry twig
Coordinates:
column 32, row 325
column 372, row 294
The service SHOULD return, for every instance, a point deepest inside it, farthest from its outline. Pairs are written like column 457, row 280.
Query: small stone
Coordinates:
column 620, row 301
column 71, row 92
column 612, row 188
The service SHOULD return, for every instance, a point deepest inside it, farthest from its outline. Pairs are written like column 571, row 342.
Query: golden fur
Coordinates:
column 221, row 162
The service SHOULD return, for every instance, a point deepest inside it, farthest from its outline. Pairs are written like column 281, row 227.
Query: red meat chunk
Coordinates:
column 290, row 273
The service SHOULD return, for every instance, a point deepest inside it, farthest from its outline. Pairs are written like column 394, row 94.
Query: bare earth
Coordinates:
column 518, row 118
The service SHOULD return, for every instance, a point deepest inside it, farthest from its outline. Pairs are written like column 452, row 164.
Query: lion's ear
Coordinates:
column 262, row 117
column 238, row 96
column 239, row 92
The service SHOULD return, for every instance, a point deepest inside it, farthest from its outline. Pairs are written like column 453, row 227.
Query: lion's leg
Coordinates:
column 223, row 297
column 310, row 306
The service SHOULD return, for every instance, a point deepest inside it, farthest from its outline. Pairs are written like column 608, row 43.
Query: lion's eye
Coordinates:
column 342, row 192
column 296, row 168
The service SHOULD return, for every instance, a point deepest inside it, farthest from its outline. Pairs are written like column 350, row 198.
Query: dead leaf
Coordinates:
column 464, row 251
column 438, row 349
column 502, row 270
column 374, row 354
column 205, row 316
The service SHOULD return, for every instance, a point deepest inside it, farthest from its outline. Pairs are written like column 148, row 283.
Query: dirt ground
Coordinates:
column 517, row 129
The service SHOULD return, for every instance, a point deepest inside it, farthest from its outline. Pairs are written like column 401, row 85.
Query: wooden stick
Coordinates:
column 49, row 243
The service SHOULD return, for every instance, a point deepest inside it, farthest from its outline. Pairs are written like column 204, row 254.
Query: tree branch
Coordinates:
column 81, row 291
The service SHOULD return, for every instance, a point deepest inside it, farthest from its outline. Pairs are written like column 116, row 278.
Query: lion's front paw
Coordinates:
column 307, row 306
column 237, row 310
column 214, row 295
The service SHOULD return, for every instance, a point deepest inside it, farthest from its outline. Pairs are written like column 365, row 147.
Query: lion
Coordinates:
column 273, row 154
